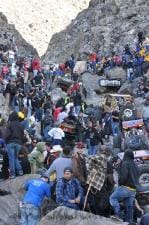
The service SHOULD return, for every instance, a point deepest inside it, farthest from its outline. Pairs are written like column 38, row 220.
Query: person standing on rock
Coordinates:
column 37, row 190
column 36, row 66
column 14, row 139
column 77, row 103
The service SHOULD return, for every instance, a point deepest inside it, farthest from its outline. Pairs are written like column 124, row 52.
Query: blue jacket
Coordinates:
column 138, row 61
column 68, row 190
column 36, row 189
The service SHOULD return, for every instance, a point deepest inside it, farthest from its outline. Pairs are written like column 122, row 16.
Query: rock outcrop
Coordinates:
column 105, row 26
column 23, row 45
column 66, row 216
column 9, row 202
column 38, row 20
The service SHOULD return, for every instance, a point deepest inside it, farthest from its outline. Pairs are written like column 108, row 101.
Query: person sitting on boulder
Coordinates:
column 69, row 192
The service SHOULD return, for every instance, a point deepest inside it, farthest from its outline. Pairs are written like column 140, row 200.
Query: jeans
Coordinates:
column 16, row 108
column 35, row 72
column 123, row 193
column 130, row 74
column 77, row 109
column 14, row 164
column 30, row 214
column 92, row 150
column 39, row 114
column 57, row 142
column 115, row 128
column 11, row 61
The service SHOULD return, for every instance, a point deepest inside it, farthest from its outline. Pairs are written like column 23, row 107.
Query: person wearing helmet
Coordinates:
column 21, row 115
column 23, row 120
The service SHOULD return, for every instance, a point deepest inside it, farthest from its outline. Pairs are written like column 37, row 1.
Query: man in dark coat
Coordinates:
column 14, row 140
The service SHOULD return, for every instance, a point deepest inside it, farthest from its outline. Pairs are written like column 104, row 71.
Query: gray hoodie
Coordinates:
column 59, row 165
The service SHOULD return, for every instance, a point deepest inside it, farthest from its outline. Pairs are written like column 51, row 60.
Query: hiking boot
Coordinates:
column 12, row 177
column 115, row 217
column 20, row 174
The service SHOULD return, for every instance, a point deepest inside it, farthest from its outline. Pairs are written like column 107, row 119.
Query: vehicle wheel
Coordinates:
column 128, row 113
column 144, row 175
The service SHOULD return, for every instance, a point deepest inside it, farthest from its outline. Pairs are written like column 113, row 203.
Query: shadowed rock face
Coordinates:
column 38, row 20
column 106, row 25
column 24, row 46
column 11, row 192
column 66, row 216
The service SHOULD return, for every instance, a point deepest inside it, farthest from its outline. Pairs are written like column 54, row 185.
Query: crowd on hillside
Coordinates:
column 32, row 139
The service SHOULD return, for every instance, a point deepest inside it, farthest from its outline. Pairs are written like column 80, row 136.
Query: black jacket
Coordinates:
column 128, row 174
column 15, row 133
column 94, row 136
column 77, row 100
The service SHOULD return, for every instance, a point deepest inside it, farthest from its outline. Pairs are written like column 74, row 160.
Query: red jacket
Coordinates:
column 75, row 87
column 36, row 64
column 93, row 57
column 56, row 113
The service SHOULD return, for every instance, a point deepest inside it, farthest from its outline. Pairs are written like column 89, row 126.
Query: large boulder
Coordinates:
column 126, row 88
column 56, row 94
column 15, row 186
column 90, row 82
column 11, row 192
column 67, row 216
column 117, row 73
column 104, row 27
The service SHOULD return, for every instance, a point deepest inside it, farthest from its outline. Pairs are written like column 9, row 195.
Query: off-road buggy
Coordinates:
column 106, row 85
column 124, row 104
column 112, row 80
column 133, row 135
